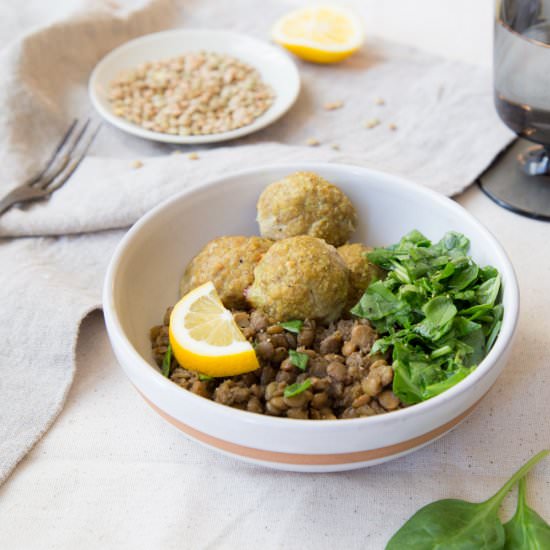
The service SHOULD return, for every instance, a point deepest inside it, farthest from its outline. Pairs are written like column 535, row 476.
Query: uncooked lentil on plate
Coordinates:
column 197, row 93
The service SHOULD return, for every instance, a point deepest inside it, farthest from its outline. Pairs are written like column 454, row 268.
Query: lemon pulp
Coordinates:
column 205, row 338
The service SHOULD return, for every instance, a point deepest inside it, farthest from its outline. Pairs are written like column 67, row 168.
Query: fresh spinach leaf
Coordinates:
column 526, row 530
column 463, row 326
column 454, row 242
column 487, row 272
column 476, row 342
column 439, row 313
column 444, row 273
column 464, row 295
column 453, row 524
column 488, row 291
column 298, row 359
column 465, row 277
column 494, row 329
column 404, row 385
column 378, row 302
column 436, row 303
column 439, row 387
column 413, row 372
column 477, row 311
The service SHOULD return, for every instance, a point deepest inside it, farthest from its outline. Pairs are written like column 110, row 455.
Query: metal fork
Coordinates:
column 68, row 154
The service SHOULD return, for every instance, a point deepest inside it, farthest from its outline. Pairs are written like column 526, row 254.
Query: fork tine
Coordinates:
column 79, row 136
column 63, row 175
column 46, row 185
column 52, row 158
column 64, row 158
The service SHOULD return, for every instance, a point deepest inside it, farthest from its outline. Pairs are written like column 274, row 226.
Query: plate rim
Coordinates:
column 143, row 133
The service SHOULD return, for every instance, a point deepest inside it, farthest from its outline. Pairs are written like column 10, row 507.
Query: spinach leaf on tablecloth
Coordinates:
column 457, row 524
column 526, row 530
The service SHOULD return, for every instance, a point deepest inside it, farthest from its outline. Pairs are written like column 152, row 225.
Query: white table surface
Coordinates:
column 111, row 474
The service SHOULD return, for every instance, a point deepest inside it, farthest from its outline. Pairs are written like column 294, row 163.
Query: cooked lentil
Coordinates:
column 196, row 93
column 340, row 379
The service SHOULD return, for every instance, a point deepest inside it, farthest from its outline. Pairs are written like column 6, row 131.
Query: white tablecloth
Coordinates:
column 111, row 474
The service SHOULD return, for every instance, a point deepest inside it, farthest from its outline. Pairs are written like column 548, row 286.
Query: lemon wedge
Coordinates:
column 205, row 338
column 322, row 34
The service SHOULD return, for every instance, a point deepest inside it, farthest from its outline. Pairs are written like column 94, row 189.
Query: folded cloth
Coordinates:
column 437, row 127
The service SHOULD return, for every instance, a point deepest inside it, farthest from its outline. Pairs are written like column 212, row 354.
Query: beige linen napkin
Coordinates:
column 51, row 275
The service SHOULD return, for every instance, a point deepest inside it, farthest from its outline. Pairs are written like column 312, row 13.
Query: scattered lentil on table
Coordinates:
column 333, row 105
column 312, row 142
column 372, row 123
column 197, row 93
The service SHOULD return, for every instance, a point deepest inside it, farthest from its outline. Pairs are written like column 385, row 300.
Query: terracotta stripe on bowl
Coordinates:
column 310, row 459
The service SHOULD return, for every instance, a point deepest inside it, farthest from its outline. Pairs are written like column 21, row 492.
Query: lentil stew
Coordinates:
column 307, row 370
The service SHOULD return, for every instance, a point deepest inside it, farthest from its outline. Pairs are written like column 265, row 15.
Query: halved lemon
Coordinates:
column 322, row 34
column 205, row 338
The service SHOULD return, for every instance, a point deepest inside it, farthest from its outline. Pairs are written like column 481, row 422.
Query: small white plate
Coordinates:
column 274, row 66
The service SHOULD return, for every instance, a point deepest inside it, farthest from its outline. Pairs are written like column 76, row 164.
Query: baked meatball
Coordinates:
column 362, row 273
column 306, row 204
column 300, row 278
column 229, row 263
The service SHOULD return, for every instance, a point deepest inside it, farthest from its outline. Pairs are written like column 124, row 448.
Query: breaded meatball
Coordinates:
column 306, row 204
column 362, row 273
column 300, row 278
column 229, row 263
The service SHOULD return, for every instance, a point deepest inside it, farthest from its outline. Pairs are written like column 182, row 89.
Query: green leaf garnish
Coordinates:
column 437, row 312
column 453, row 523
column 167, row 362
column 298, row 359
column 296, row 389
column 526, row 530
column 294, row 326
column 203, row 377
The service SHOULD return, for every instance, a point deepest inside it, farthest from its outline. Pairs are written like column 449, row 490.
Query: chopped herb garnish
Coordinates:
column 203, row 377
column 437, row 311
column 167, row 362
column 297, row 389
column 294, row 326
column 298, row 359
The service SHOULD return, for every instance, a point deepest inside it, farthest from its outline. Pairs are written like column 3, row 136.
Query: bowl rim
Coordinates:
column 504, row 339
column 267, row 118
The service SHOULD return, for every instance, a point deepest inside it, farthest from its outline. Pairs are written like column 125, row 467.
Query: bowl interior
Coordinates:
column 274, row 66
column 152, row 257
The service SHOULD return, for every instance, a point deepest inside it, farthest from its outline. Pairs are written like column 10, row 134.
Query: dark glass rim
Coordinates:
column 511, row 207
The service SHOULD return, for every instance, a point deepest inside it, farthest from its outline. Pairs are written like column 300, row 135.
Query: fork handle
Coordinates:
column 20, row 194
column 7, row 202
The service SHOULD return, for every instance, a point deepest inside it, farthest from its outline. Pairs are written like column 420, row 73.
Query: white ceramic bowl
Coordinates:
column 142, row 281
column 275, row 67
